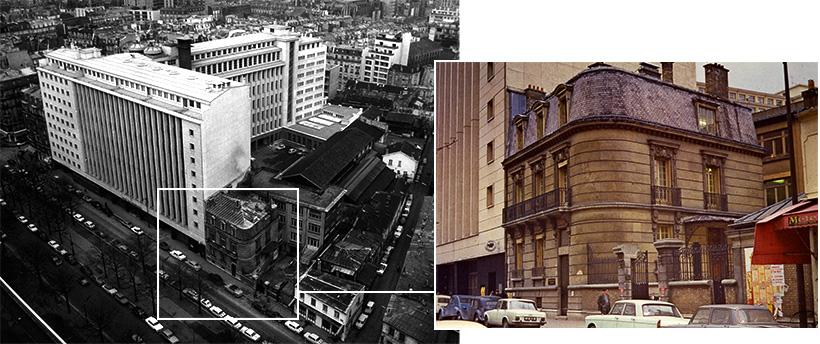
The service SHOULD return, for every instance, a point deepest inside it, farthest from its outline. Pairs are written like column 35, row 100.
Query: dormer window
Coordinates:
column 519, row 135
column 707, row 118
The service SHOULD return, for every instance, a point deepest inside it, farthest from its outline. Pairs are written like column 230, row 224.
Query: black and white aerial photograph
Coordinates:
column 219, row 171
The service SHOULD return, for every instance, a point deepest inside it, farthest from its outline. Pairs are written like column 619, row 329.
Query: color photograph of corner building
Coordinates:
column 621, row 179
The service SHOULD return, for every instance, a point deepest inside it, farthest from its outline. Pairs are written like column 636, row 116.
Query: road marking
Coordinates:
column 30, row 310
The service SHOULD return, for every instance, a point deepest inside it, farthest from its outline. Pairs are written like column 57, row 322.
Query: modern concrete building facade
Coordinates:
column 350, row 61
column 386, row 51
column 471, row 134
column 131, row 125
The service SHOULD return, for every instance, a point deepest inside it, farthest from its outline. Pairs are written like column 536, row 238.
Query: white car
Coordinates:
column 232, row 322
column 515, row 313
column 381, row 269
column 153, row 323
column 90, row 224
column 313, row 338
column 178, row 255
column 294, row 326
column 369, row 307
column 218, row 312
column 79, row 217
column 32, row 228
column 360, row 322
column 441, row 301
column 109, row 289
column 638, row 313
column 2, row 202
column 137, row 230
column 206, row 303
column 22, row 219
column 54, row 245
column 250, row 333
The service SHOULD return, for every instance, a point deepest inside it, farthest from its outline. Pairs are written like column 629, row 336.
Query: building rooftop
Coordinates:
column 333, row 119
column 353, row 250
column 308, row 196
column 369, row 177
column 406, row 148
column 326, row 163
column 141, row 69
column 242, row 209
column 231, row 42
column 320, row 281
column 410, row 317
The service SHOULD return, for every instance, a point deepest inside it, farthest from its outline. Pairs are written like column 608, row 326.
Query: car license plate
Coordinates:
column 529, row 318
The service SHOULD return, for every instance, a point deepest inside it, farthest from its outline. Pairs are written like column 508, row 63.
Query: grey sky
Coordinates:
column 765, row 76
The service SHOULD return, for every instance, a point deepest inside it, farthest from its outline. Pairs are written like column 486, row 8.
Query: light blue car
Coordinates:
column 458, row 308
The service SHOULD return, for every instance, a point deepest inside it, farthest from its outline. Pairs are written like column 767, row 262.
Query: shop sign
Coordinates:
column 802, row 220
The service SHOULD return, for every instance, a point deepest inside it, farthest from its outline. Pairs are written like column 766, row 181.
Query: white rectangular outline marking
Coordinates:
column 296, row 293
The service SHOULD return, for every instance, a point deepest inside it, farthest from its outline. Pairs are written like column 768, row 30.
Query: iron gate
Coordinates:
column 640, row 276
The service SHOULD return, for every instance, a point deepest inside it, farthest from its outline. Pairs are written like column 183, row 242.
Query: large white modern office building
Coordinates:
column 132, row 125
column 285, row 72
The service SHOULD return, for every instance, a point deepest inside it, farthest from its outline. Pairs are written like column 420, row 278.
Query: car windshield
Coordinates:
column 515, row 304
column 755, row 316
column 489, row 304
column 443, row 299
column 659, row 310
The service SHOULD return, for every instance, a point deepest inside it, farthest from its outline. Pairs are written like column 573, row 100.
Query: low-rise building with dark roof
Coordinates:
column 241, row 231
column 400, row 123
column 334, row 312
column 408, row 321
column 369, row 177
column 353, row 257
column 328, row 163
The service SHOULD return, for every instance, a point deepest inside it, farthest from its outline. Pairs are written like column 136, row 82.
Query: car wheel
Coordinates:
column 458, row 316
column 477, row 318
column 591, row 326
column 505, row 324
column 439, row 316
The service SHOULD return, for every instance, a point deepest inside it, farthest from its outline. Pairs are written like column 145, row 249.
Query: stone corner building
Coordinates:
column 613, row 167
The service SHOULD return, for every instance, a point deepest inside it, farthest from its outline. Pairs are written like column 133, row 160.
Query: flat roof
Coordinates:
column 141, row 69
column 232, row 42
column 333, row 119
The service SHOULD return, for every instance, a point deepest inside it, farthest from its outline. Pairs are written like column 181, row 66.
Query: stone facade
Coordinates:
column 581, row 185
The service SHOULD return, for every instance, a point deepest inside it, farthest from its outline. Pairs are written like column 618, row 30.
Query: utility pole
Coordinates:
column 801, row 284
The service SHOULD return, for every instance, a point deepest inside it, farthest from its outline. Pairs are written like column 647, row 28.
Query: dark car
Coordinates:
column 739, row 315
column 164, row 246
column 479, row 305
column 458, row 308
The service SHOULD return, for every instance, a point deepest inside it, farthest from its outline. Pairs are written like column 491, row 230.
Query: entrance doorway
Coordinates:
column 563, row 283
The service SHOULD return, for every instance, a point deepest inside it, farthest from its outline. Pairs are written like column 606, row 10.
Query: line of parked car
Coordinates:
column 490, row 311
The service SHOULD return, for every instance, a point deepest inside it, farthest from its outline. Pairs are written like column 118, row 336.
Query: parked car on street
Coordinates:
column 236, row 291
column 54, row 245
column 169, row 336
column 206, row 303
column 218, row 312
column 294, row 326
column 3, row 203
column 79, row 217
column 153, row 323
column 121, row 298
column 56, row 260
column 164, row 246
column 382, row 269
column 232, row 322
column 480, row 305
column 369, row 307
column 109, row 289
column 638, row 313
column 514, row 313
column 191, row 294
column 313, row 338
column 137, row 230
column 193, row 264
column 90, row 224
column 250, row 334
column 457, row 308
column 32, row 228
column 739, row 315
column 178, row 255
column 441, row 301
column 361, row 320
column 22, row 219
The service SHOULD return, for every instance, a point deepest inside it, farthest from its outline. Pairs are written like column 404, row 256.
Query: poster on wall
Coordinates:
column 765, row 284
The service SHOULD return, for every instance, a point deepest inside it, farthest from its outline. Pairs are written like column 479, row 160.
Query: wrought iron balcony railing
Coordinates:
column 556, row 198
column 715, row 201
column 665, row 195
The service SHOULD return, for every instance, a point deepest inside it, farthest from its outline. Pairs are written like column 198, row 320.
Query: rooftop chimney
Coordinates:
column 184, row 51
column 717, row 80
column 666, row 72
column 810, row 96
column 534, row 93
column 650, row 70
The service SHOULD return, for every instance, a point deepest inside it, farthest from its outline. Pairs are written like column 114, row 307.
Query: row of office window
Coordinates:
column 226, row 51
column 226, row 66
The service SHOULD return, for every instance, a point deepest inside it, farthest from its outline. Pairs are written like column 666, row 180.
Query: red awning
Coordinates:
column 781, row 238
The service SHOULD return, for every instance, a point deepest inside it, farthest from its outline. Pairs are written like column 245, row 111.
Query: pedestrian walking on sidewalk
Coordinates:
column 603, row 302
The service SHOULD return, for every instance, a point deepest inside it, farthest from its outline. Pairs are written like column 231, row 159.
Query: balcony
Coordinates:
column 550, row 200
column 517, row 274
column 715, row 201
column 538, row 272
column 665, row 195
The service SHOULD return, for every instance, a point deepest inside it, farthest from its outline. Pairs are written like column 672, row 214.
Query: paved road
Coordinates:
column 82, row 297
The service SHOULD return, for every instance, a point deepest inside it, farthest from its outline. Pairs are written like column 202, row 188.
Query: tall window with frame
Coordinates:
column 490, row 201
column 665, row 231
column 562, row 110
column 490, row 109
column 490, row 71
column 519, row 255
column 518, row 187
column 538, row 245
column 775, row 143
column 540, row 121
column 713, row 192
column 519, row 136
column 777, row 190
column 707, row 119
column 538, row 186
